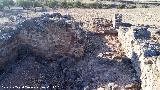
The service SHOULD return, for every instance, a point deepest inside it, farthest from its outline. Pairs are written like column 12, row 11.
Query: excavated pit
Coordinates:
column 79, row 60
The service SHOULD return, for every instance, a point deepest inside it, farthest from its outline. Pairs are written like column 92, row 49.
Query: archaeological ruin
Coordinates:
column 55, row 52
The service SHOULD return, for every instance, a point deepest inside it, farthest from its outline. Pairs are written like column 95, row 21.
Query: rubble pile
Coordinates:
column 100, row 25
column 51, row 35
column 113, row 43
column 47, row 36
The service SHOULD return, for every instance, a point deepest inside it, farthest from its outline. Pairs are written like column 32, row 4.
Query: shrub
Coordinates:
column 70, row 5
column 121, row 6
column 25, row 3
column 84, row 5
column 99, row 5
column 37, row 4
column 78, row 4
column 145, row 6
column 64, row 4
column 53, row 4
column 93, row 5
column 107, row 6
column 131, row 6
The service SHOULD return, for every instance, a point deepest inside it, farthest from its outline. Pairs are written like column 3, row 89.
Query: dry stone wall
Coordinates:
column 144, row 53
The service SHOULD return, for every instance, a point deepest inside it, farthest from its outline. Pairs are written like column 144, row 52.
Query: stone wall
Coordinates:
column 117, row 21
column 144, row 54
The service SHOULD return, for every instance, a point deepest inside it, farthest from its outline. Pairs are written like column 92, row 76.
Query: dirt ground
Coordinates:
column 147, row 16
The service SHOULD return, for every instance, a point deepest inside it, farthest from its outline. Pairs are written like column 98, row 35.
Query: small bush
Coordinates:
column 37, row 4
column 145, row 6
column 121, row 6
column 78, row 4
column 93, row 5
column 84, row 5
column 107, row 6
column 25, row 4
column 131, row 6
column 53, row 4
column 64, row 4
column 99, row 5
column 70, row 5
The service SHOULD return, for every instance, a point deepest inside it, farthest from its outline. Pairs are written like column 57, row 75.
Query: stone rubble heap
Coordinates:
column 100, row 25
column 52, row 36
column 47, row 35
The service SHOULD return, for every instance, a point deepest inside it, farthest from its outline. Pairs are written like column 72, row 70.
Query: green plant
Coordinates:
column 78, row 4
column 107, row 6
column 53, row 4
column 25, row 3
column 37, row 4
column 99, row 5
column 93, row 5
column 131, row 6
column 121, row 6
column 145, row 6
column 64, row 4
column 70, row 5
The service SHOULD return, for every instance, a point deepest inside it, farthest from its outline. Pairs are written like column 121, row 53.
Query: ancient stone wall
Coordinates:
column 144, row 53
column 117, row 21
